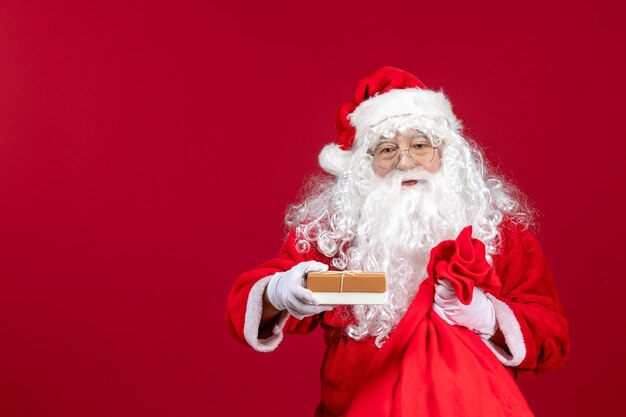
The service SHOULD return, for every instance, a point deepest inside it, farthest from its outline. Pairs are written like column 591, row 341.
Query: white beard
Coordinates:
column 397, row 228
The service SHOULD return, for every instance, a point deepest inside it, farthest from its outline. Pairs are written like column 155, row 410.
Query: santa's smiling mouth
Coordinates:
column 411, row 183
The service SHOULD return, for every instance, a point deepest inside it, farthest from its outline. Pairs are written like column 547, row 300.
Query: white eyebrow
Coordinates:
column 385, row 141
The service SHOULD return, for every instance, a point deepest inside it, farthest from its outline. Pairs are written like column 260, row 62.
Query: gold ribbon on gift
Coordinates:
column 343, row 274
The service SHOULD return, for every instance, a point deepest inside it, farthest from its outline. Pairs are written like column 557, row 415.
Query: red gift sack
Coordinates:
column 430, row 368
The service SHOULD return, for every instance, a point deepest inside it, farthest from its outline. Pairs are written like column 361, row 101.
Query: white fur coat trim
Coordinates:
column 254, row 310
column 510, row 328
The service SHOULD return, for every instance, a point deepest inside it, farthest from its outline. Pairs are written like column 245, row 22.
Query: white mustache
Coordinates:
column 399, row 177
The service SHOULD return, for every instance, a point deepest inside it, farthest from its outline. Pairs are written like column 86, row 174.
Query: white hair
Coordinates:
column 365, row 222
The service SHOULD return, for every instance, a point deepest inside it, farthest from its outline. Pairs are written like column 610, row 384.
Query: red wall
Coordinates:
column 147, row 153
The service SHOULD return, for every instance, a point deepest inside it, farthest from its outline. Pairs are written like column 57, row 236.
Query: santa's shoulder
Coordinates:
column 517, row 236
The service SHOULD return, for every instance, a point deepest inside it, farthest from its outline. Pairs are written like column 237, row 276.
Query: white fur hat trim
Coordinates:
column 406, row 101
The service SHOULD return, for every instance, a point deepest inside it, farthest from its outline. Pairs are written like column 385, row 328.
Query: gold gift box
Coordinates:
column 347, row 287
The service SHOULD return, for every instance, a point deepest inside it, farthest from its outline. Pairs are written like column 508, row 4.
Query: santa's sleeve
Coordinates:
column 533, row 335
column 245, row 303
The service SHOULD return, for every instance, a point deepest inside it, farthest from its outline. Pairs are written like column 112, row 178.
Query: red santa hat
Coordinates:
column 383, row 94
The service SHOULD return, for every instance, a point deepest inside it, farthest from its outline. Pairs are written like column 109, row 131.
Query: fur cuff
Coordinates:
column 510, row 328
column 254, row 309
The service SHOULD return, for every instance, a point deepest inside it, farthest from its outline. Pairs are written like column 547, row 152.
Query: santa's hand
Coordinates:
column 286, row 291
column 479, row 315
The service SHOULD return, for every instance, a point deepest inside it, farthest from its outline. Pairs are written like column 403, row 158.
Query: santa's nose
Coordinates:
column 405, row 163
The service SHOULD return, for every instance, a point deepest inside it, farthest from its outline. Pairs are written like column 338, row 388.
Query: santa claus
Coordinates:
column 466, row 307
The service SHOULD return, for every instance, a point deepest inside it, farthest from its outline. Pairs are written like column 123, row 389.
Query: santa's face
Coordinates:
column 405, row 151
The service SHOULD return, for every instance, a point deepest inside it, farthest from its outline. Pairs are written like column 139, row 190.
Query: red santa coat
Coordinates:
column 533, row 335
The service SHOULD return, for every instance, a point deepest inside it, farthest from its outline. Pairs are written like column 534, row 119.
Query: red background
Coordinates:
column 148, row 151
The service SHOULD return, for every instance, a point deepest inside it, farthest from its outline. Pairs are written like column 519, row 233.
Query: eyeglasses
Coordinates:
column 387, row 154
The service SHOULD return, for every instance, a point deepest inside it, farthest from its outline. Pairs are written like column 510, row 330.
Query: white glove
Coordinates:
column 286, row 291
column 479, row 315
